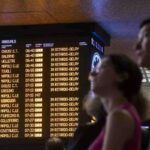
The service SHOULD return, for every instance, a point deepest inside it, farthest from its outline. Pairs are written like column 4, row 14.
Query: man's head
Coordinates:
column 143, row 44
column 54, row 143
column 92, row 104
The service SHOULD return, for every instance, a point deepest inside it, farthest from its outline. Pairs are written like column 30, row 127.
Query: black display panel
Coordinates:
column 43, row 82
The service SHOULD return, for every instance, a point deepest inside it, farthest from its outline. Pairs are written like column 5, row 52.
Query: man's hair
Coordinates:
column 145, row 22
column 54, row 143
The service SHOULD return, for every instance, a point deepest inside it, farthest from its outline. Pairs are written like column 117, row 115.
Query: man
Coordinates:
column 54, row 144
column 143, row 59
column 143, row 44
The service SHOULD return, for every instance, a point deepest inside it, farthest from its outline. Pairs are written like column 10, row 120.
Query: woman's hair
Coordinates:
column 131, row 76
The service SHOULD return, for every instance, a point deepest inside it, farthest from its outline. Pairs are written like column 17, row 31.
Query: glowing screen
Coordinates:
column 42, row 84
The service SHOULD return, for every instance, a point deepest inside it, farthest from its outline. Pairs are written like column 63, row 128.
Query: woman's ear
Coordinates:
column 123, row 77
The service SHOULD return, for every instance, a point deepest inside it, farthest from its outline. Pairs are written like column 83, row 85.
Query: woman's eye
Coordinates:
column 93, row 73
column 102, row 67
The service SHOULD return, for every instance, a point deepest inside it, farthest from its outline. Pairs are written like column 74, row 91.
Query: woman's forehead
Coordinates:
column 105, row 60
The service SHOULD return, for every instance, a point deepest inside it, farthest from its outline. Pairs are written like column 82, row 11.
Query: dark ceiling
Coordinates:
column 118, row 17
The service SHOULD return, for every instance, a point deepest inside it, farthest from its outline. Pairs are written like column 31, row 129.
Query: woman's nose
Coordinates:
column 92, row 75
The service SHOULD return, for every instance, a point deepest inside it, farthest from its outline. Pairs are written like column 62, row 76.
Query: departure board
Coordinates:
column 41, row 86
column 43, row 80
column 9, row 99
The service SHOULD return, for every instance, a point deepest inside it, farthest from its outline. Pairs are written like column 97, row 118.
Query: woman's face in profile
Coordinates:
column 104, row 77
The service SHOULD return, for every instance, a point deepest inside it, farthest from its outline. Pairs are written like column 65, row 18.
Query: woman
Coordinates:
column 117, row 80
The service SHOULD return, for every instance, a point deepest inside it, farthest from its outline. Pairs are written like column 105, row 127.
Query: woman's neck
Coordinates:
column 110, row 102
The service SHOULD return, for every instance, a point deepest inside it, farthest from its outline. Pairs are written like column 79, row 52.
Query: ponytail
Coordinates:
column 140, row 103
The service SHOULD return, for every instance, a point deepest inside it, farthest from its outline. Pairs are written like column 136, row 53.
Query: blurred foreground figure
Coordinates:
column 86, row 134
column 54, row 144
